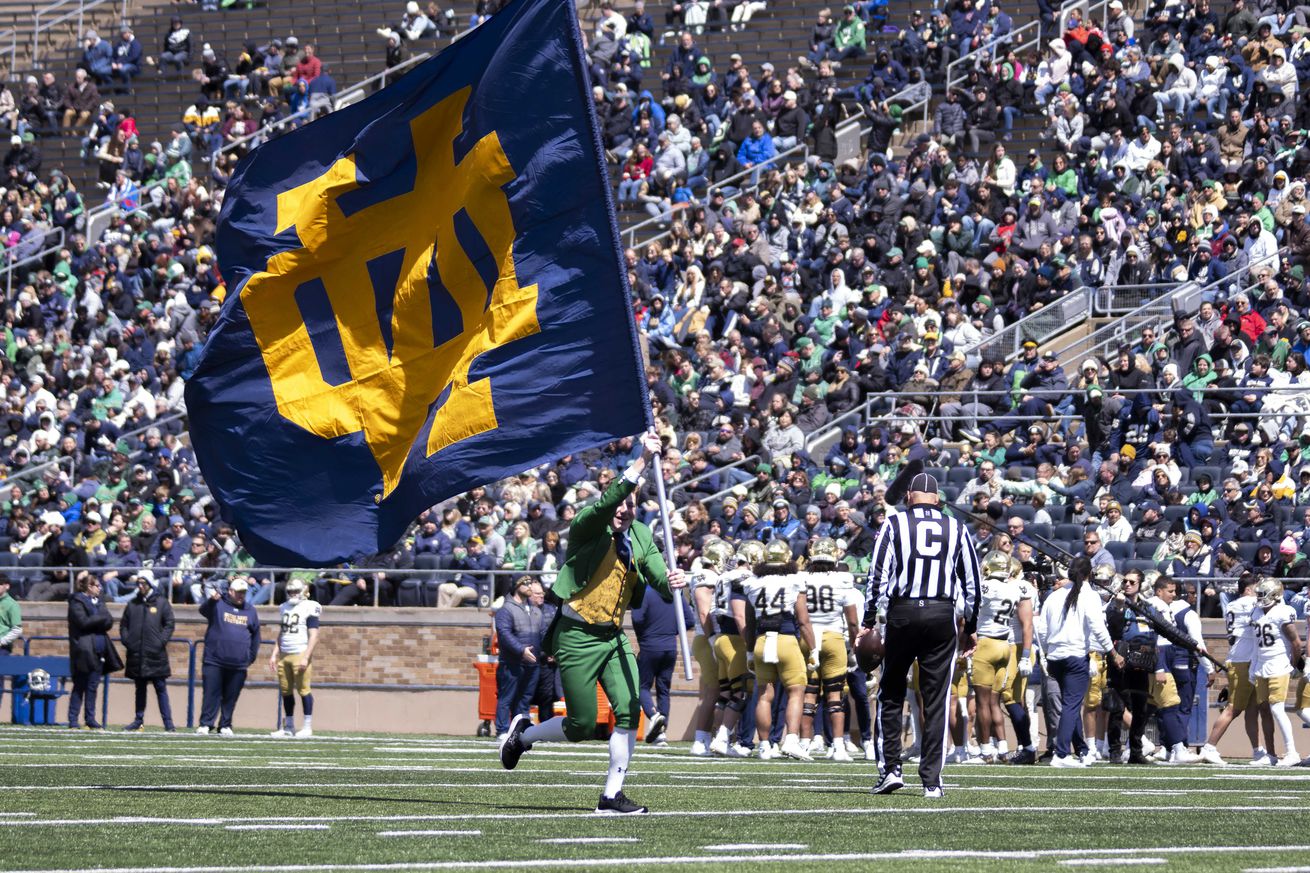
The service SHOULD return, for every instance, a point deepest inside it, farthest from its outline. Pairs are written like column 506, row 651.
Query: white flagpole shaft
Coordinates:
column 669, row 558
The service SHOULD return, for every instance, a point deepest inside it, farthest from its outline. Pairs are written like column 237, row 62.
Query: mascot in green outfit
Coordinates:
column 611, row 560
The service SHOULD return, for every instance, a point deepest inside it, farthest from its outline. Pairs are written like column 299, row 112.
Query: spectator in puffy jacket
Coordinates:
column 231, row 646
column 756, row 151
column 91, row 654
column 519, row 631
column 146, row 628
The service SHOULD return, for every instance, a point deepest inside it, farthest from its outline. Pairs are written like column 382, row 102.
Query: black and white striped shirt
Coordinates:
column 921, row 554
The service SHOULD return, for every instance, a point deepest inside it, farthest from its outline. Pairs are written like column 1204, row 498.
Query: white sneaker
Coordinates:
column 1210, row 755
column 1089, row 758
column 768, row 751
column 1160, row 754
column 501, row 738
column 202, row 730
column 281, row 734
column 699, row 750
column 718, row 747
column 792, row 748
column 910, row 754
column 1148, row 747
column 1291, row 759
column 226, row 732
column 839, row 753
column 870, row 753
column 1261, row 758
column 1069, row 763
column 737, row 750
column 855, row 749
column 1183, row 755
column 304, row 733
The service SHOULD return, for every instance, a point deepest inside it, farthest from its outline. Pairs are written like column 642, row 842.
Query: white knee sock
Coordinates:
column 551, row 730
column 622, row 742
column 1284, row 727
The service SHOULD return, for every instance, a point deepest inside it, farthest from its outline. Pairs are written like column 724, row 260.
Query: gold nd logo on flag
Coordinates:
column 397, row 367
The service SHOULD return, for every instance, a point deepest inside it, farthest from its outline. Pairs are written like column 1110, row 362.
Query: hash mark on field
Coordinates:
column 560, row 841
column 429, row 833
column 275, row 826
column 1117, row 862
column 750, row 847
column 715, row 778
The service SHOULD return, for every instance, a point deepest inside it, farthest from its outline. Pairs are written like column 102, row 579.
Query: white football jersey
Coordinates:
column 773, row 596
column 723, row 591
column 297, row 619
column 1273, row 652
column 702, row 577
column 997, row 604
column 1241, row 633
column 1026, row 591
column 826, row 597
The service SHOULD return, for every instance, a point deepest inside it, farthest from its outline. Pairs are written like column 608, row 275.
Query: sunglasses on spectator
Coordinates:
column 1090, row 542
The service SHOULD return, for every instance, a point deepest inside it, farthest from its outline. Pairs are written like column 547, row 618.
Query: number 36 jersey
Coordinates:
column 297, row 619
column 826, row 597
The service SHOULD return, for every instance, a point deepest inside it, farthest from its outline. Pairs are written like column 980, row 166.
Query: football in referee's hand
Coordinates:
column 869, row 650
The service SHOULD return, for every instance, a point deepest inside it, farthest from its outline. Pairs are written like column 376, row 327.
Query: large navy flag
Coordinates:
column 427, row 293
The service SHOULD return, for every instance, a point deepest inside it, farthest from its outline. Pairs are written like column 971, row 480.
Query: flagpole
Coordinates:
column 670, row 559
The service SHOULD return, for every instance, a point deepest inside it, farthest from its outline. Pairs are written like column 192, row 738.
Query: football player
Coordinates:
column 733, row 659
column 1014, row 696
column 1277, row 647
column 1241, row 693
column 1096, row 720
column 779, row 634
column 991, row 660
column 714, row 559
column 292, row 657
column 833, row 604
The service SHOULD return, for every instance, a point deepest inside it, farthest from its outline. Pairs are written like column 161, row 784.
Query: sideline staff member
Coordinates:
column 924, row 573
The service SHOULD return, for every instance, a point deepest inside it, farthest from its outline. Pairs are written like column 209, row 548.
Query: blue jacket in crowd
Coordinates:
column 656, row 624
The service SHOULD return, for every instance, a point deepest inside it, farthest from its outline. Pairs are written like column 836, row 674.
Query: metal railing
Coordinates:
column 10, row 268
column 798, row 153
column 40, row 26
column 356, row 92
column 260, row 136
column 1087, row 9
column 1122, row 299
column 29, row 472
column 1040, row 326
column 1153, row 313
column 1019, row 39
column 710, row 474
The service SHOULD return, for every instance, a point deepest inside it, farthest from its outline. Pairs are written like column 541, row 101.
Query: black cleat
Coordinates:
column 1136, row 757
column 890, row 781
column 1046, row 756
column 655, row 727
column 1023, row 756
column 619, row 804
column 514, row 746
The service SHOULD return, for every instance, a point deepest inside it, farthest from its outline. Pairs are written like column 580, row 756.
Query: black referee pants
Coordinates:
column 923, row 631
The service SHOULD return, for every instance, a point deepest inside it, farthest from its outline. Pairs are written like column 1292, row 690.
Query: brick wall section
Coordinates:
column 385, row 647
column 395, row 647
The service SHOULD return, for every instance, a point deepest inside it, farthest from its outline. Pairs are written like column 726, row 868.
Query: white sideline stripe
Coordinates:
column 273, row 826
column 589, row 814
column 1117, row 862
column 569, row 841
column 750, row 847
column 16, row 814
column 791, row 858
column 429, row 833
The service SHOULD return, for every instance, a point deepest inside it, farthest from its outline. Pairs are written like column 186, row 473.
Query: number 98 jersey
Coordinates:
column 297, row 618
column 998, row 601
column 826, row 597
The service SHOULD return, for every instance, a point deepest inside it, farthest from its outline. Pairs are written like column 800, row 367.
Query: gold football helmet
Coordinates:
column 717, row 554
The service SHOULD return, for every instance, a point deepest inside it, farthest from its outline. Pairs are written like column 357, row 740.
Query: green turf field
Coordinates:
column 82, row 801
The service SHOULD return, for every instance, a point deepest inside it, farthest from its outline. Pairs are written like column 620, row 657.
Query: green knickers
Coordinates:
column 587, row 654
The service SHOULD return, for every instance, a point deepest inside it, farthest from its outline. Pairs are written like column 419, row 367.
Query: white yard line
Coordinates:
column 429, row 833
column 276, row 826
column 1115, row 862
column 683, row 860
column 586, row 841
column 752, row 847
column 699, row 813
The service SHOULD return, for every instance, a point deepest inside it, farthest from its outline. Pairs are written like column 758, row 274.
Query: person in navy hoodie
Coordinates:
column 231, row 645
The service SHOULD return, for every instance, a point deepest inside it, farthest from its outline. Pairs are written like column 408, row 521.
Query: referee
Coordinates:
column 924, row 574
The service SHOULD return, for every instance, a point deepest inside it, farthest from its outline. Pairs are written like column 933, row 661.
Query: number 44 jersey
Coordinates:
column 297, row 618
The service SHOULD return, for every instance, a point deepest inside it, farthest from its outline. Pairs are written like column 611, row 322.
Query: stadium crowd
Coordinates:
column 772, row 307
